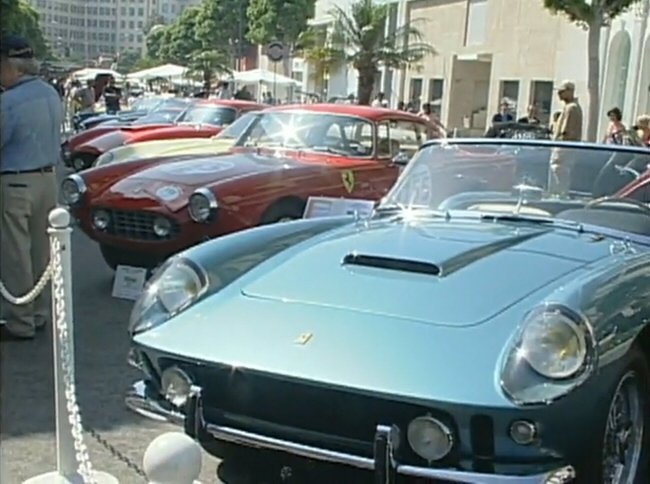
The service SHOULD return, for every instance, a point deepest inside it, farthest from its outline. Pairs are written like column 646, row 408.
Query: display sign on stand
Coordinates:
column 334, row 207
column 129, row 282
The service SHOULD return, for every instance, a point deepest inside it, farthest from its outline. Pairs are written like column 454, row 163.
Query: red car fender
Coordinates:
column 176, row 132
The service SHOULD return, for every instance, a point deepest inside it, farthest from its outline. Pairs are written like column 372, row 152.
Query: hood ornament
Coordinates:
column 303, row 339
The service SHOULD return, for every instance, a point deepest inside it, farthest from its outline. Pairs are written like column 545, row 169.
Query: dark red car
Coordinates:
column 286, row 155
column 201, row 119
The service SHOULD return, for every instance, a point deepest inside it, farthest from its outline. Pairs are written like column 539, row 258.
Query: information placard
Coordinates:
column 334, row 207
column 129, row 282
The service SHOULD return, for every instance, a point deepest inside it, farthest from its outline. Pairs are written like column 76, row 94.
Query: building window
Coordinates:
column 415, row 93
column 476, row 22
column 509, row 92
column 541, row 96
column 436, row 91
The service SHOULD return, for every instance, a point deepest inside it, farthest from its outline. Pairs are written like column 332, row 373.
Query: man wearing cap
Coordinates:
column 567, row 128
column 30, row 138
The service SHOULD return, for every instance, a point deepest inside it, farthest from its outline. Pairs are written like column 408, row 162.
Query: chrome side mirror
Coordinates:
column 401, row 159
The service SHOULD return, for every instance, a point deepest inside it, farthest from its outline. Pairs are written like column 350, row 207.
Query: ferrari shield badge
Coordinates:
column 347, row 176
column 304, row 338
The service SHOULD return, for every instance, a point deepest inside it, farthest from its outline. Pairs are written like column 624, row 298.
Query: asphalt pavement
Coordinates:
column 27, row 427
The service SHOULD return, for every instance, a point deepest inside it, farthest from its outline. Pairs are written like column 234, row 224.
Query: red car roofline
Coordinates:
column 368, row 112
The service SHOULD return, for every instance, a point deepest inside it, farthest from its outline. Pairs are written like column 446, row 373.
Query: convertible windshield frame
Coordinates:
column 559, row 184
column 305, row 112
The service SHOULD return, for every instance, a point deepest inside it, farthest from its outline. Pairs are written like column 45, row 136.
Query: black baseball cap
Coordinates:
column 14, row 46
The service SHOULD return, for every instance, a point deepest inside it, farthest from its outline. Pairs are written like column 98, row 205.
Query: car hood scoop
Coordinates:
column 447, row 275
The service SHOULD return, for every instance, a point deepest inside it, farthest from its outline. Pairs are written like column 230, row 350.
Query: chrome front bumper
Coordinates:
column 383, row 464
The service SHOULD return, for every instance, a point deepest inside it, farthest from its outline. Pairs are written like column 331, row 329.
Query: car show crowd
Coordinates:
column 159, row 172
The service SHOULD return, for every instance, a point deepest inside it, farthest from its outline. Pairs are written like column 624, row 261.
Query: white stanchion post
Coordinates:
column 172, row 458
column 69, row 449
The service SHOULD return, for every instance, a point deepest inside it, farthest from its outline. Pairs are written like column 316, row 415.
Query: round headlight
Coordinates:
column 162, row 226
column 101, row 219
column 72, row 189
column 554, row 345
column 176, row 386
column 178, row 286
column 202, row 204
column 430, row 438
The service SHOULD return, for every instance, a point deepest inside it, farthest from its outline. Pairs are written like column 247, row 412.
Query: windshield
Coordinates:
column 344, row 135
column 146, row 104
column 518, row 178
column 236, row 129
column 158, row 117
column 215, row 115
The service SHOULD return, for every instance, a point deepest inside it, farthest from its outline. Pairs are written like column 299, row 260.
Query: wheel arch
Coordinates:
column 643, row 341
column 288, row 200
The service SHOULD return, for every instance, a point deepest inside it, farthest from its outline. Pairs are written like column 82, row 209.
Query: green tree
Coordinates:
column 156, row 40
column 208, row 63
column 322, row 52
column 591, row 15
column 367, row 46
column 19, row 18
column 222, row 26
column 127, row 61
column 282, row 20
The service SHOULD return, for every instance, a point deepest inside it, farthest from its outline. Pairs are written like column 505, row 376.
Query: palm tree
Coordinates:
column 317, row 47
column 208, row 63
column 367, row 46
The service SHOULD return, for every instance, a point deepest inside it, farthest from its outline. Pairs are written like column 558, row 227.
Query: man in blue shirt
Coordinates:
column 30, row 138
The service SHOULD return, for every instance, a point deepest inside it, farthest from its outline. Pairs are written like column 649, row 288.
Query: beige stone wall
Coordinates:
column 522, row 40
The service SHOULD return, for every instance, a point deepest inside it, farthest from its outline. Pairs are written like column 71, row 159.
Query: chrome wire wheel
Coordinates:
column 623, row 442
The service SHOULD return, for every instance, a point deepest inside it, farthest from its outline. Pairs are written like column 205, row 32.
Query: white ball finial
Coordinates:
column 59, row 218
column 172, row 458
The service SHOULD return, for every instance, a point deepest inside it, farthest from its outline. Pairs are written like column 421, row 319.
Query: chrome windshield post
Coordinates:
column 385, row 468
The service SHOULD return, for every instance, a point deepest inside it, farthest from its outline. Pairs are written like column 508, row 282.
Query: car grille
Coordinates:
column 345, row 420
column 137, row 225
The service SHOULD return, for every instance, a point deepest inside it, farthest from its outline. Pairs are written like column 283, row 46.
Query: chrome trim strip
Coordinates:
column 249, row 439
column 138, row 401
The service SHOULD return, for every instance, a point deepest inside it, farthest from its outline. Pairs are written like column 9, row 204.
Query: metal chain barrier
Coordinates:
column 115, row 453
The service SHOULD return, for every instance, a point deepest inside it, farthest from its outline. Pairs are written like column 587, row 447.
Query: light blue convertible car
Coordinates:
column 489, row 323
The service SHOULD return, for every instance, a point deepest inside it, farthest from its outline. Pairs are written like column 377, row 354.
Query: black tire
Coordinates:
column 116, row 257
column 283, row 210
column 638, row 365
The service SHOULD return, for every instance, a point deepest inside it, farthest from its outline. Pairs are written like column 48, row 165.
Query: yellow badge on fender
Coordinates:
column 348, row 180
column 304, row 338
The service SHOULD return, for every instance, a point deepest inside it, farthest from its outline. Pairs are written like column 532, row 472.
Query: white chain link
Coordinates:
column 85, row 468
column 31, row 295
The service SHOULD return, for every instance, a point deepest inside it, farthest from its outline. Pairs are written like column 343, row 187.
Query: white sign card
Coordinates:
column 332, row 207
column 129, row 282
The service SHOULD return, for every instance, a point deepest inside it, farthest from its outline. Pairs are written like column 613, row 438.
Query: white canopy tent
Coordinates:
column 90, row 73
column 264, row 76
column 167, row 71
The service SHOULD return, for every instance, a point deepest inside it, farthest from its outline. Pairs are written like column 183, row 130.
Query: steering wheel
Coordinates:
column 622, row 200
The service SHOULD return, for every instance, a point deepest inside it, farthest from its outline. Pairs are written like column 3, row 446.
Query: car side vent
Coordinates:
column 404, row 265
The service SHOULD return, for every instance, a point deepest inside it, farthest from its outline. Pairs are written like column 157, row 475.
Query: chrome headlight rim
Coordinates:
column 150, row 311
column 211, row 201
column 578, row 324
column 166, row 386
column 80, row 185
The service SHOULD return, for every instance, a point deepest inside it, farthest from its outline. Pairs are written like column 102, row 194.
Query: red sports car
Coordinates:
column 286, row 155
column 202, row 119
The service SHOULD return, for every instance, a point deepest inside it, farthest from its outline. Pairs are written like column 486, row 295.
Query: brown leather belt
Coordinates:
column 46, row 169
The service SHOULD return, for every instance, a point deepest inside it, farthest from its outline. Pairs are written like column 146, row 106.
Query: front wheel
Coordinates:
column 284, row 211
column 625, row 446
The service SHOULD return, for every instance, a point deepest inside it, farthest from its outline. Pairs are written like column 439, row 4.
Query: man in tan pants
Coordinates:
column 31, row 118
